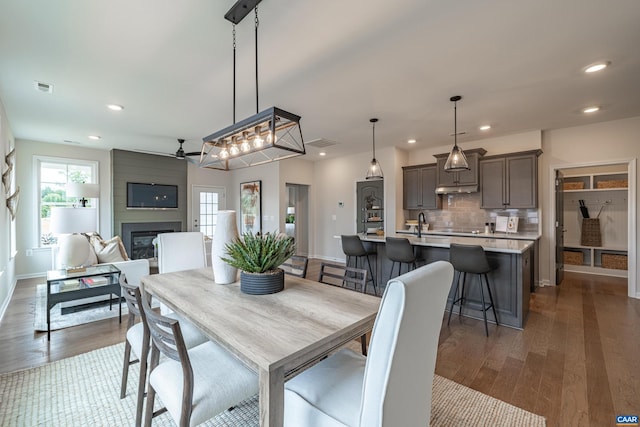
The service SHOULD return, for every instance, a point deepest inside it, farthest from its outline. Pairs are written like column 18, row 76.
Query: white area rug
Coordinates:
column 60, row 321
column 84, row 391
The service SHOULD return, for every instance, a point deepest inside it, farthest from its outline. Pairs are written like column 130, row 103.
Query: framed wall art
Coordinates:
column 251, row 207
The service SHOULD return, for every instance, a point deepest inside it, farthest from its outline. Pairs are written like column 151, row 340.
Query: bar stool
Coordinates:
column 400, row 250
column 352, row 246
column 471, row 259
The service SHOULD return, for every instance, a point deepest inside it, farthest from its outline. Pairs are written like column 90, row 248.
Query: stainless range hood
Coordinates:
column 457, row 189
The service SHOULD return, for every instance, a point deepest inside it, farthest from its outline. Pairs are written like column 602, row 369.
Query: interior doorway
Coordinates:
column 297, row 216
column 595, row 220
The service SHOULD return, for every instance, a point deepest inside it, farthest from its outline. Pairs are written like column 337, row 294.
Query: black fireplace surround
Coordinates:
column 137, row 237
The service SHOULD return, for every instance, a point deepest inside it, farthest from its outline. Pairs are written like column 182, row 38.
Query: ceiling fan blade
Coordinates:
column 157, row 153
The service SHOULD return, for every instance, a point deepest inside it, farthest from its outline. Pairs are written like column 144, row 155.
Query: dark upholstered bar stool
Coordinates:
column 401, row 251
column 352, row 246
column 471, row 259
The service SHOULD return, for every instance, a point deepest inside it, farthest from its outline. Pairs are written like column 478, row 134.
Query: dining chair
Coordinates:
column 180, row 251
column 334, row 274
column 195, row 384
column 296, row 266
column 138, row 341
column 392, row 386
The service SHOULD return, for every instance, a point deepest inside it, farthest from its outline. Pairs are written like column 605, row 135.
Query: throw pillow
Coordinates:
column 111, row 250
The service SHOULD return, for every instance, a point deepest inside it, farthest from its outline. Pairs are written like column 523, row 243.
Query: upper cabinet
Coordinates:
column 459, row 179
column 509, row 181
column 419, row 184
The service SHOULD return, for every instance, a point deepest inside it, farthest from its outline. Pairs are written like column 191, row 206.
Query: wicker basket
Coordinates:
column 591, row 235
column 573, row 257
column 614, row 261
column 613, row 183
column 568, row 185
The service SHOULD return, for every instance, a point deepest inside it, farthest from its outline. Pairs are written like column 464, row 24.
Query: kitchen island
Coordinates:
column 511, row 277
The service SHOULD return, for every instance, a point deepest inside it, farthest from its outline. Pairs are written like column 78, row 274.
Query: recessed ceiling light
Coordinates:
column 411, row 141
column 598, row 66
column 115, row 107
column 94, row 137
column 591, row 110
column 322, row 153
column 485, row 127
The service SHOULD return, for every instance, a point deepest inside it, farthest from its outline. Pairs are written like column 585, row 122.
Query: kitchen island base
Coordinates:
column 510, row 279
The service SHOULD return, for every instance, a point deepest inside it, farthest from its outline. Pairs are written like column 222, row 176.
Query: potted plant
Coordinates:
column 258, row 258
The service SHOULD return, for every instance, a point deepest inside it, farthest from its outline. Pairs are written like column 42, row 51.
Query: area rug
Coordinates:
column 84, row 390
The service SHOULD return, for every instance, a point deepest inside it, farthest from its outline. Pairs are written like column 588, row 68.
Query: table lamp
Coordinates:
column 82, row 191
column 74, row 249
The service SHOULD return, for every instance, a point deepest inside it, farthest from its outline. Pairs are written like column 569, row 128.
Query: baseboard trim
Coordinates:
column 5, row 304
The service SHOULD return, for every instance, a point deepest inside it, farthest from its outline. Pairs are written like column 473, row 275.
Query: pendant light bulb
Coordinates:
column 375, row 171
column 456, row 161
column 245, row 147
column 258, row 141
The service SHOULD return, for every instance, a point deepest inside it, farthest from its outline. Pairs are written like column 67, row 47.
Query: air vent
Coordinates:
column 68, row 141
column 320, row 143
column 43, row 87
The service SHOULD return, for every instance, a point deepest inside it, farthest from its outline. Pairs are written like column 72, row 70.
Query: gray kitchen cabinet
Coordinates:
column 462, row 178
column 419, row 187
column 509, row 181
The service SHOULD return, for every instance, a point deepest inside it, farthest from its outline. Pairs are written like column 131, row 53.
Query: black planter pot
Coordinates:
column 262, row 283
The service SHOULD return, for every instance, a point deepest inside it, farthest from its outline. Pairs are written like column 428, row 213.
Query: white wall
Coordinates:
column 27, row 231
column 613, row 141
column 7, row 260
column 335, row 181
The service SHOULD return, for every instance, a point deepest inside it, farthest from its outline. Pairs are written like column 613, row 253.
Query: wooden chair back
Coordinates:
column 340, row 275
column 296, row 266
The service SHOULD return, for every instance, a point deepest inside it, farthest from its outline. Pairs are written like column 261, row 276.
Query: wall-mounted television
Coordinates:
column 151, row 196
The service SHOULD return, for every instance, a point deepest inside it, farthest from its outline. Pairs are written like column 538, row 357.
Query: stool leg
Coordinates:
column 455, row 296
column 464, row 279
column 484, row 308
column 493, row 307
column 373, row 278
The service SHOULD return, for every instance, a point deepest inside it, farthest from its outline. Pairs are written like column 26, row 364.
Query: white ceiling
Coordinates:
column 336, row 63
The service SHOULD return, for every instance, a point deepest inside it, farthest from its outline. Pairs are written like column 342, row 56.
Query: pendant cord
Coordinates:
column 374, row 141
column 234, row 73
column 455, row 124
column 257, row 24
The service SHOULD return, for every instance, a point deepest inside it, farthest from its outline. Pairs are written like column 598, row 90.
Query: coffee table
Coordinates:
column 64, row 285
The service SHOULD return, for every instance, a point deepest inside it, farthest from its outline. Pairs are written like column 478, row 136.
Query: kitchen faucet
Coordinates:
column 421, row 220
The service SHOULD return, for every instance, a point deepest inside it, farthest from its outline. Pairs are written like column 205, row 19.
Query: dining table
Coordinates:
column 277, row 335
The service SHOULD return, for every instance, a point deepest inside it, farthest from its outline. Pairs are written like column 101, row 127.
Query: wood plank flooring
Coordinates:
column 575, row 363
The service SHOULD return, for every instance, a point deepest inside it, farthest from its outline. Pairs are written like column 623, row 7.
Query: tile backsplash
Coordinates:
column 462, row 212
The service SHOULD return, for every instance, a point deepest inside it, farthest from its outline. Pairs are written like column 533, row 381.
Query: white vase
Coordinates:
column 226, row 231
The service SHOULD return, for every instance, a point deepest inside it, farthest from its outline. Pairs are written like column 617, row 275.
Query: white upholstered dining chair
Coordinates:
column 180, row 251
column 392, row 386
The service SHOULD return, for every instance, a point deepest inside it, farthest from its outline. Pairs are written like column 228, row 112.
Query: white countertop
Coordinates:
column 511, row 236
column 490, row 244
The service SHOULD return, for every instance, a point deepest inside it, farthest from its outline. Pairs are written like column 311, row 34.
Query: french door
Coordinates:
column 206, row 202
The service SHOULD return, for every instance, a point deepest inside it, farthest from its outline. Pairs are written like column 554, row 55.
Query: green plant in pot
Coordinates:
column 258, row 258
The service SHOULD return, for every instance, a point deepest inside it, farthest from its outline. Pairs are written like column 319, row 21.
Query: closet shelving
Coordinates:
column 605, row 194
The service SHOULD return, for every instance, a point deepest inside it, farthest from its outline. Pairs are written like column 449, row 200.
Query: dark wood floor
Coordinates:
column 576, row 361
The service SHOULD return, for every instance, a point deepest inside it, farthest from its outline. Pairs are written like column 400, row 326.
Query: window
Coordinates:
column 53, row 175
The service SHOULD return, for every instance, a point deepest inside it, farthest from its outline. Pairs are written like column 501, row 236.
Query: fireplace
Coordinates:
column 137, row 237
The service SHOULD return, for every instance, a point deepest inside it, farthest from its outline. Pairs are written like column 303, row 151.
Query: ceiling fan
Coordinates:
column 180, row 154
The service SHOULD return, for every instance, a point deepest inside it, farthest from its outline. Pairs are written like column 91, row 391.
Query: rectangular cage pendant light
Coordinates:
column 268, row 136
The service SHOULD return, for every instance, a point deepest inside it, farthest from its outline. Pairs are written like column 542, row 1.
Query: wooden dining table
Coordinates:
column 276, row 335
